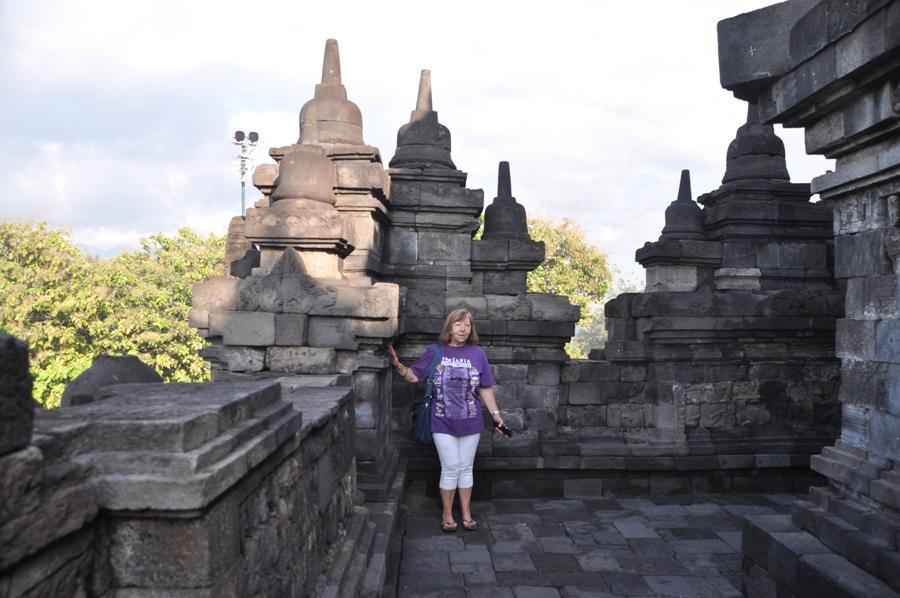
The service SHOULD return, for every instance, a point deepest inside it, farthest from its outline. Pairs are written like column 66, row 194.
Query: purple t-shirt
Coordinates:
column 460, row 372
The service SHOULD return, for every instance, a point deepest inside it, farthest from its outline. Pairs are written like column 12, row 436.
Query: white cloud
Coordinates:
column 105, row 238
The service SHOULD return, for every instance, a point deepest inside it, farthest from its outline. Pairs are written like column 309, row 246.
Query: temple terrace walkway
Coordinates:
column 542, row 548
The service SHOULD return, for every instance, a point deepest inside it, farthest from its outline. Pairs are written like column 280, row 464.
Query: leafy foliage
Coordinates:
column 70, row 307
column 51, row 297
column 574, row 268
column 152, row 289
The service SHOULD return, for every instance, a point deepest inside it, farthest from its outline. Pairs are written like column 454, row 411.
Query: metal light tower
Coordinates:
column 244, row 161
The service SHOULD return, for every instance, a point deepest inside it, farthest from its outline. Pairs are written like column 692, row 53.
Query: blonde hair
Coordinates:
column 454, row 317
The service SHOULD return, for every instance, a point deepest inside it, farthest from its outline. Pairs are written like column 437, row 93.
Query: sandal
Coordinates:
column 448, row 526
column 470, row 524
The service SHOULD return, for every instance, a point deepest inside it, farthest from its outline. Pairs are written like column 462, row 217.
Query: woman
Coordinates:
column 461, row 378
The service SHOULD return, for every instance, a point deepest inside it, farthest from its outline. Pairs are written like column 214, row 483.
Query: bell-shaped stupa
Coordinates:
column 756, row 152
column 505, row 218
column 338, row 120
column 683, row 216
column 423, row 142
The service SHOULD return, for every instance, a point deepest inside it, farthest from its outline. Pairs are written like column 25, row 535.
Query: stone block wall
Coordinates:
column 594, row 427
column 433, row 219
column 49, row 527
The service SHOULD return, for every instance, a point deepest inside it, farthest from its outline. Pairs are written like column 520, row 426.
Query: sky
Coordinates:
column 118, row 116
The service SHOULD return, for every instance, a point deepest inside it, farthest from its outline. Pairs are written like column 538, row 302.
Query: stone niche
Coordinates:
column 832, row 68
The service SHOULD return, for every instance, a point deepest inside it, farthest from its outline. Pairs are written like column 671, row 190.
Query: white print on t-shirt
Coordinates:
column 455, row 384
column 456, row 363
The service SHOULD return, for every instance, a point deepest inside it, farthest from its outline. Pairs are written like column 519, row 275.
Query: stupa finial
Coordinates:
column 504, row 186
column 423, row 102
column 684, row 187
column 331, row 65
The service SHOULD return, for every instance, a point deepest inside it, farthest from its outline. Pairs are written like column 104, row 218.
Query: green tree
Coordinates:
column 572, row 267
column 52, row 298
column 151, row 290
column 70, row 307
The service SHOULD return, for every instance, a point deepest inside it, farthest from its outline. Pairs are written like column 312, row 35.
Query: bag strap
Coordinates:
column 434, row 362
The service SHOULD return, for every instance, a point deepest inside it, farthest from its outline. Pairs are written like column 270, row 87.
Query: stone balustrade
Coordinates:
column 216, row 489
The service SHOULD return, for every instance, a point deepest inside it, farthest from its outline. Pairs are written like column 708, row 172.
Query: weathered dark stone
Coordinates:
column 107, row 370
column 683, row 216
column 755, row 47
column 505, row 217
column 16, row 402
column 236, row 246
column 861, row 254
column 243, row 267
column 836, row 86
column 756, row 153
column 423, row 142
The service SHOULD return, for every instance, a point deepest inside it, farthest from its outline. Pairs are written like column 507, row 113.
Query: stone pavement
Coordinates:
column 686, row 546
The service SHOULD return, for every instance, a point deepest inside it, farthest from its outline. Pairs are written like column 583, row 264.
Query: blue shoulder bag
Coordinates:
column 421, row 411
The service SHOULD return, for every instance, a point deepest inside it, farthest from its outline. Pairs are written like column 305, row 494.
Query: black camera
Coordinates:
column 503, row 429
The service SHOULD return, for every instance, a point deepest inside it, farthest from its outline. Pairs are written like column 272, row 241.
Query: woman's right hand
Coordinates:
column 393, row 355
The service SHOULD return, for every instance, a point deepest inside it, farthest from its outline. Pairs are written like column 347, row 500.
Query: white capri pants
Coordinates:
column 457, row 455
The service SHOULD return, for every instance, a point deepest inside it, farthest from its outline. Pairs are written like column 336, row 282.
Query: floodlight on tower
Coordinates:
column 244, row 162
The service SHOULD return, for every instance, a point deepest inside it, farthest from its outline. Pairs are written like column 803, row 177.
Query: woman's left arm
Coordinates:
column 490, row 401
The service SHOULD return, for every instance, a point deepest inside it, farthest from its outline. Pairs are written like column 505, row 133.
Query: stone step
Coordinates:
column 387, row 517
column 379, row 469
column 394, row 556
column 377, row 485
column 854, row 455
column 843, row 457
column 855, row 451
column 781, row 558
column 824, row 496
column 357, row 570
column 869, row 545
column 339, row 571
column 844, row 469
column 868, row 521
column 373, row 582
column 832, row 575
column 887, row 489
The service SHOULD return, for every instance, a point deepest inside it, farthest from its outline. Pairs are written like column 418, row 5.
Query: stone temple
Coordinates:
column 761, row 356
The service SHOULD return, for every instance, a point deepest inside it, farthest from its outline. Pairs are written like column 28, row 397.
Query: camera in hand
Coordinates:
column 504, row 429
